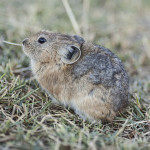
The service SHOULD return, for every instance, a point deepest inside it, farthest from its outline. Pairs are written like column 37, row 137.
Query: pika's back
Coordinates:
column 104, row 68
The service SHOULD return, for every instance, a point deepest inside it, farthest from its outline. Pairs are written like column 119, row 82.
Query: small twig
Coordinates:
column 70, row 122
column 12, row 43
column 123, row 127
column 9, row 118
column 86, row 6
column 71, row 16
column 6, row 139
column 22, row 70
column 139, row 122
column 147, row 133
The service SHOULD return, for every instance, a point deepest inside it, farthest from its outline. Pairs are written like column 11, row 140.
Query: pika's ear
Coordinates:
column 79, row 39
column 70, row 54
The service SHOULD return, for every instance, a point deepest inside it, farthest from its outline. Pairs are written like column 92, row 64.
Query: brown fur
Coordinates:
column 92, row 101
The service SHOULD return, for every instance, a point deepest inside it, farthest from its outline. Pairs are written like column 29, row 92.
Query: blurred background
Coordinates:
column 120, row 25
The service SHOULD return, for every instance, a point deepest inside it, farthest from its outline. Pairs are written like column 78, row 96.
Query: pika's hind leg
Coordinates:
column 93, row 109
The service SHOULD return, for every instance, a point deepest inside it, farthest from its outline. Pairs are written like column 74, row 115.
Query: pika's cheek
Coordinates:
column 43, row 57
column 27, row 51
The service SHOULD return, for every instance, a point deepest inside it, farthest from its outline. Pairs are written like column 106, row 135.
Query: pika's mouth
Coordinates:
column 24, row 49
column 25, row 41
column 25, row 46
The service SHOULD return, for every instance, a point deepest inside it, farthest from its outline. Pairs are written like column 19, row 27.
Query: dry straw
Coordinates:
column 7, row 42
column 71, row 17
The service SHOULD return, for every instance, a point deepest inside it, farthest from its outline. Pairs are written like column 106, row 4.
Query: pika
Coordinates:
column 87, row 77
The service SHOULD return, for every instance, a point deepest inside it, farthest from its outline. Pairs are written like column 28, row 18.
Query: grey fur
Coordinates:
column 79, row 39
column 104, row 68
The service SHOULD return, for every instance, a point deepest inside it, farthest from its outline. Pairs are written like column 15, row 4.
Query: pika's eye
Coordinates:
column 41, row 40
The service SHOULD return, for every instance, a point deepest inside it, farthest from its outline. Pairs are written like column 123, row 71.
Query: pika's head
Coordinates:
column 46, row 46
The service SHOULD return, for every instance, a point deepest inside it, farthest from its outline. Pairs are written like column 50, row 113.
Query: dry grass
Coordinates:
column 28, row 119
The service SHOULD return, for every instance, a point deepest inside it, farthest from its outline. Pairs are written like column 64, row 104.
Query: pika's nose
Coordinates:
column 24, row 41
